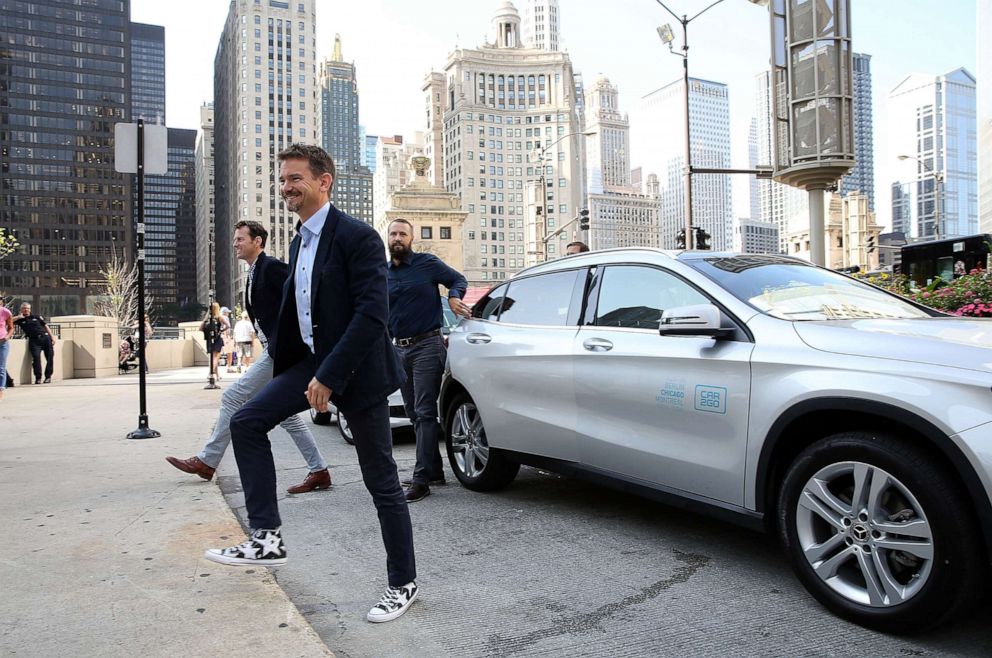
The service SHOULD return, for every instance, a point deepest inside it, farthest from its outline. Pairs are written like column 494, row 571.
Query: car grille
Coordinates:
column 397, row 411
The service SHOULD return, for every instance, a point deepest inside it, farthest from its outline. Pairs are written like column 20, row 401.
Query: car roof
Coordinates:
column 620, row 254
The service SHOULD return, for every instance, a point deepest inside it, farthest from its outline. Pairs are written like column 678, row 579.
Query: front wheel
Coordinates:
column 475, row 464
column 878, row 533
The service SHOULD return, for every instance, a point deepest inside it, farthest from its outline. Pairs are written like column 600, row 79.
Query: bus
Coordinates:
column 947, row 259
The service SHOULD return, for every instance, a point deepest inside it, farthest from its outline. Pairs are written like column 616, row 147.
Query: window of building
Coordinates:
column 426, row 232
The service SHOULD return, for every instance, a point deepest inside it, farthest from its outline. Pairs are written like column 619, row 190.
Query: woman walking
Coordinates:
column 214, row 326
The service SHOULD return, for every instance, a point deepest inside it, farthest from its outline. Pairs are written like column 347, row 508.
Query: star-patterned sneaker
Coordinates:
column 264, row 548
column 393, row 603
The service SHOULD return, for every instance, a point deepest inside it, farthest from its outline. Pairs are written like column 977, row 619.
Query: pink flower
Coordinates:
column 925, row 295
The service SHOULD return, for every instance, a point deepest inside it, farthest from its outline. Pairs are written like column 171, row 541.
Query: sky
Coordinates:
column 395, row 43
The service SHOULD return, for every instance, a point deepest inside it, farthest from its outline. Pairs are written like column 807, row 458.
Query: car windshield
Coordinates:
column 791, row 290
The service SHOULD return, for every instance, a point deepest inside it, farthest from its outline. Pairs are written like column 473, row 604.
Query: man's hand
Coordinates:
column 318, row 395
column 459, row 307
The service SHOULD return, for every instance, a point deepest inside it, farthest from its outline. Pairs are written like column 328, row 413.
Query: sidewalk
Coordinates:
column 103, row 541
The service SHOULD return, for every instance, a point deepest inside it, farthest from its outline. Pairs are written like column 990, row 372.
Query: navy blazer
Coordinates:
column 266, row 292
column 350, row 309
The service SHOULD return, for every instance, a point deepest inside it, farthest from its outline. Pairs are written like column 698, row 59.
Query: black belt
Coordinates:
column 407, row 342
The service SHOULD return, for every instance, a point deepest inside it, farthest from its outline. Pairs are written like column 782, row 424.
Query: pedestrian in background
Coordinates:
column 576, row 247
column 213, row 333
column 40, row 339
column 415, row 319
column 6, row 333
column 244, row 334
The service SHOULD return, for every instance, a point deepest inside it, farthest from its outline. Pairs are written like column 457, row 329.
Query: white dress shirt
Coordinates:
column 309, row 238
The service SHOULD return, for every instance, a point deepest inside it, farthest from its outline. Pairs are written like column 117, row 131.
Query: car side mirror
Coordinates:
column 695, row 320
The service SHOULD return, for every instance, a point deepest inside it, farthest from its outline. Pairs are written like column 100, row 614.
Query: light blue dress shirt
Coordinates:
column 309, row 238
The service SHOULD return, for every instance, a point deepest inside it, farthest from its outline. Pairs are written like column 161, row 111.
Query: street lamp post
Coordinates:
column 542, row 245
column 668, row 37
column 938, row 178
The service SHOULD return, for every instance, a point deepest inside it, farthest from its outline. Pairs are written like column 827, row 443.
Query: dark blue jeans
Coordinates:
column 37, row 347
column 284, row 396
column 424, row 364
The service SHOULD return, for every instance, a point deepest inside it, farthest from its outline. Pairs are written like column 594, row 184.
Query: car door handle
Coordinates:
column 597, row 345
column 478, row 339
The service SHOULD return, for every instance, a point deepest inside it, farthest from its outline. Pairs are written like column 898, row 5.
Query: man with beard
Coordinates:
column 415, row 325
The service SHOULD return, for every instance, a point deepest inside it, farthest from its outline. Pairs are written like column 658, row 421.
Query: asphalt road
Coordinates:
column 557, row 567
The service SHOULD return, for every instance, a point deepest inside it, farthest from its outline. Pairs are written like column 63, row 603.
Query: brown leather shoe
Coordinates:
column 313, row 482
column 192, row 465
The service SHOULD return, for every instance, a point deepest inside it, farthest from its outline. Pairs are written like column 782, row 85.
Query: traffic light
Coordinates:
column 871, row 243
column 584, row 219
column 680, row 239
column 702, row 238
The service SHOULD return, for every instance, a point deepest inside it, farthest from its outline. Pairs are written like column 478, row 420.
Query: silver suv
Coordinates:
column 850, row 422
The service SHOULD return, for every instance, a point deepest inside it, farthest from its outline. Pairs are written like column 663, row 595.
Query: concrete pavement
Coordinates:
column 103, row 540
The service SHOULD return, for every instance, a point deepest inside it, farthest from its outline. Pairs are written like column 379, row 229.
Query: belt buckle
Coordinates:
column 404, row 342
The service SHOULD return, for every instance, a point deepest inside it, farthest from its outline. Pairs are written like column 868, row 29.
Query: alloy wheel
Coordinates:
column 864, row 534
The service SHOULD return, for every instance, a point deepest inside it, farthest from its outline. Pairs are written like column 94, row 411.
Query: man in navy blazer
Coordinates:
column 263, row 295
column 330, row 343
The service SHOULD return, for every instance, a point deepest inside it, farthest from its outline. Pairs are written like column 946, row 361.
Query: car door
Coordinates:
column 517, row 366
column 671, row 411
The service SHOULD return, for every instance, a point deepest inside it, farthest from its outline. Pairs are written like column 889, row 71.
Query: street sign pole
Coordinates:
column 143, row 431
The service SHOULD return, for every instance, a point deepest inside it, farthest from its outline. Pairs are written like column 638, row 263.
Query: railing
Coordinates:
column 55, row 329
column 158, row 333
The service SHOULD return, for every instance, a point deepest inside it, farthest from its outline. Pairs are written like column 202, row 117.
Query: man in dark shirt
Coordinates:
column 40, row 339
column 415, row 325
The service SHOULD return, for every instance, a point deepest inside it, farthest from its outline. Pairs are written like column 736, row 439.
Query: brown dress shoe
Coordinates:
column 314, row 481
column 192, row 465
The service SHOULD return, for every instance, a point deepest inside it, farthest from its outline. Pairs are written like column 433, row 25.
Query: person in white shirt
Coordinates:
column 244, row 334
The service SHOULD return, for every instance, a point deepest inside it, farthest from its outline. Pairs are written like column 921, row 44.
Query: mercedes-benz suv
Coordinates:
column 851, row 422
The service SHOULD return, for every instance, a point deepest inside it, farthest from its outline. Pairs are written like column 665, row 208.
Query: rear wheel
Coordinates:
column 878, row 533
column 320, row 417
column 475, row 464
column 344, row 429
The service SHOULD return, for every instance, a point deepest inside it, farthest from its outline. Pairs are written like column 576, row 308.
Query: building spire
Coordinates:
column 337, row 57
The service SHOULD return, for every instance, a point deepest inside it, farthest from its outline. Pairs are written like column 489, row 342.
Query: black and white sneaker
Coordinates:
column 264, row 548
column 393, row 603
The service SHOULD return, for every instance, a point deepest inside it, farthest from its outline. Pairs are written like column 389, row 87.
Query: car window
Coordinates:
column 542, row 299
column 447, row 315
column 488, row 307
column 634, row 297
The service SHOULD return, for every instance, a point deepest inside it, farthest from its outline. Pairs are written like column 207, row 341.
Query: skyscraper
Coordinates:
column 392, row 171
column 434, row 89
column 540, row 24
column 618, row 215
column 170, row 199
column 862, row 177
column 371, row 141
column 931, row 120
column 659, row 123
column 205, row 282
column 148, row 73
column 352, row 190
column 265, row 98
column 780, row 205
column 984, row 38
column 64, row 82
column 507, row 107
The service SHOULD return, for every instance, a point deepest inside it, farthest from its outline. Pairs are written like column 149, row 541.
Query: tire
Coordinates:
column 477, row 466
column 905, row 500
column 320, row 417
column 344, row 429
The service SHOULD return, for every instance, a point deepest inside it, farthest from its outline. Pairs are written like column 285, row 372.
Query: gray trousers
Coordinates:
column 424, row 364
column 236, row 395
